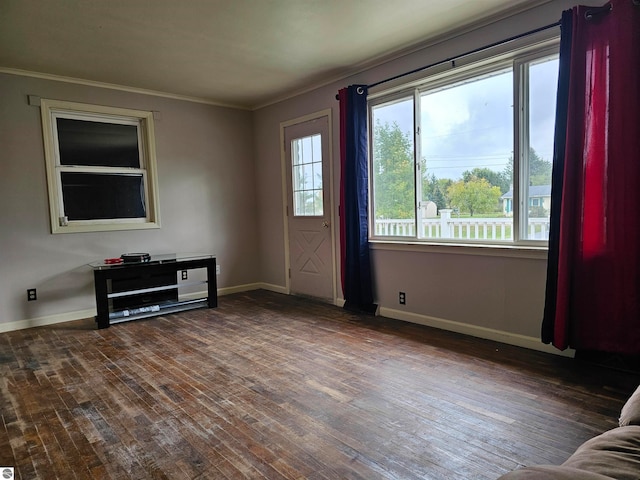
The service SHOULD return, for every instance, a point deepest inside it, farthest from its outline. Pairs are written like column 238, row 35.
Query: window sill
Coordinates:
column 102, row 227
column 486, row 250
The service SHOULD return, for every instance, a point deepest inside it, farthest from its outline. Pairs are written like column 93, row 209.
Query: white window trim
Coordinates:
column 514, row 55
column 51, row 109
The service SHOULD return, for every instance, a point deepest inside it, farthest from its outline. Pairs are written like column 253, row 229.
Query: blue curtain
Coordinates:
column 354, row 196
column 557, row 177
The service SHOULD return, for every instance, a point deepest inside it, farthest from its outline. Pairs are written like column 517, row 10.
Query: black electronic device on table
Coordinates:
column 135, row 257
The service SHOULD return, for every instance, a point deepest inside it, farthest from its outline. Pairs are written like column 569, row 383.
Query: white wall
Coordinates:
column 206, row 194
column 499, row 297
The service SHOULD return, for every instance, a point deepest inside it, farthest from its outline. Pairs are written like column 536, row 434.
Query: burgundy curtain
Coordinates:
column 593, row 278
column 342, row 97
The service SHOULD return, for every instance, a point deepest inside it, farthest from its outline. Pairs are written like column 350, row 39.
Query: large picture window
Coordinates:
column 466, row 156
column 100, row 167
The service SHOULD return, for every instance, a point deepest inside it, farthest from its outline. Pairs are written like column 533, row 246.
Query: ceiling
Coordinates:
column 242, row 53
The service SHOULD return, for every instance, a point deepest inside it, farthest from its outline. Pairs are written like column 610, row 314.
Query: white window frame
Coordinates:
column 517, row 56
column 143, row 120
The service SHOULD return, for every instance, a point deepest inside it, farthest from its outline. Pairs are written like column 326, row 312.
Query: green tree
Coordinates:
column 539, row 169
column 443, row 185
column 474, row 196
column 498, row 179
column 433, row 190
column 393, row 172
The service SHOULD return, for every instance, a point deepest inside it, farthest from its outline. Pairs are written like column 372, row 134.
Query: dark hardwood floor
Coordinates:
column 271, row 386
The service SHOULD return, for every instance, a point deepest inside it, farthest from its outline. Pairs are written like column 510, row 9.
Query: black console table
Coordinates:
column 133, row 290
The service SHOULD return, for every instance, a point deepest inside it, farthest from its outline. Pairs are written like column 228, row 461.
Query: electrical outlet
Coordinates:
column 31, row 295
column 217, row 269
column 185, row 275
column 402, row 298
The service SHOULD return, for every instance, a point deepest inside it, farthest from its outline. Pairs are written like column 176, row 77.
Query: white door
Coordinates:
column 309, row 208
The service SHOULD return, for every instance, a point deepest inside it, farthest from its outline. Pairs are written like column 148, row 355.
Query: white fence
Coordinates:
column 472, row 228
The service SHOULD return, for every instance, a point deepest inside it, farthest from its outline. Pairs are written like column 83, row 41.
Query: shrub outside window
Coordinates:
column 466, row 156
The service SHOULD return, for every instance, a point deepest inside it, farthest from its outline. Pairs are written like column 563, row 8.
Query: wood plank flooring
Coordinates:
column 269, row 386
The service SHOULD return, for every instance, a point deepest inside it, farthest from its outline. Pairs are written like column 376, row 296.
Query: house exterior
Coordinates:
column 539, row 196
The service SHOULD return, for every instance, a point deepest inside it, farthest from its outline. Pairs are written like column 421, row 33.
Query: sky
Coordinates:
column 471, row 124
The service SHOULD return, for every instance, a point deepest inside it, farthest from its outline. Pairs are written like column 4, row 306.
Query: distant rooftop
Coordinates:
column 534, row 191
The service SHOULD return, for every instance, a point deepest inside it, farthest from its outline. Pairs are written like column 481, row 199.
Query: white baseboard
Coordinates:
column 238, row 289
column 515, row 339
column 47, row 320
column 273, row 288
column 91, row 312
column 459, row 327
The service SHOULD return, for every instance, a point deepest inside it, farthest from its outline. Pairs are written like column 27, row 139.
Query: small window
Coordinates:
column 306, row 156
column 100, row 167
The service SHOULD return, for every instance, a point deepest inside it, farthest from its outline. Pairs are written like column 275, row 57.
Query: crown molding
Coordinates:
column 114, row 86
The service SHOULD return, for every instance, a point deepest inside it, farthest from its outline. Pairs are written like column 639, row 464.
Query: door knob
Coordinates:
column 325, row 224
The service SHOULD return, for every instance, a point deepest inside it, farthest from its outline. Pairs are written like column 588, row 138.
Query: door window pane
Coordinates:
column 306, row 160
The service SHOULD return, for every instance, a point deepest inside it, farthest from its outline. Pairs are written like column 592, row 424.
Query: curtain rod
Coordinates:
column 470, row 52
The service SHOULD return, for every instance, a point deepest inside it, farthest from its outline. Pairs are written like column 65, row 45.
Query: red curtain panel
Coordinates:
column 593, row 282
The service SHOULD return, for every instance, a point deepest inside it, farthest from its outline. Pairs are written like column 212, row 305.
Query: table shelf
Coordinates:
column 154, row 289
